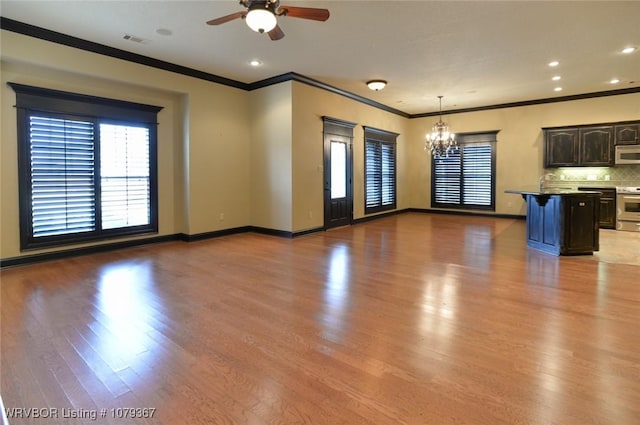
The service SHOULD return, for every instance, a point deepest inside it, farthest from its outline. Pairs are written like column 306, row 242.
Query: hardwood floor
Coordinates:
column 410, row 319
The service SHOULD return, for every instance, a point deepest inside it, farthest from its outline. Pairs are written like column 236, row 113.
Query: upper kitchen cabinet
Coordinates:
column 561, row 148
column 596, row 146
column 589, row 146
column 627, row 134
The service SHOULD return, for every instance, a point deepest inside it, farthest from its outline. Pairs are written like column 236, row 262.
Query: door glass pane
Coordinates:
column 338, row 170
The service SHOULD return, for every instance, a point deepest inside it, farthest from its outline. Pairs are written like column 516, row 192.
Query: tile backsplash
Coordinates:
column 621, row 175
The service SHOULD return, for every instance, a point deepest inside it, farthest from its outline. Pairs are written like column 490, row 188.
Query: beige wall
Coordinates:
column 271, row 184
column 203, row 134
column 230, row 158
column 520, row 141
column 309, row 106
column 287, row 153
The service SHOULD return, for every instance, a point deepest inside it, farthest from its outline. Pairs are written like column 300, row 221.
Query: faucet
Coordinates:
column 542, row 179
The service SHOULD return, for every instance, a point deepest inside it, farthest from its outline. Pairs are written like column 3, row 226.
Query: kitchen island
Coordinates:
column 562, row 221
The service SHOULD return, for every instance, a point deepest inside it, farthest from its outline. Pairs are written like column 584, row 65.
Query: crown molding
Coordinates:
column 90, row 46
column 531, row 102
column 293, row 76
column 67, row 40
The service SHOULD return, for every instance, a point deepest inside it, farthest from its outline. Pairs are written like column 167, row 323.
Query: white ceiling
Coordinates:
column 475, row 53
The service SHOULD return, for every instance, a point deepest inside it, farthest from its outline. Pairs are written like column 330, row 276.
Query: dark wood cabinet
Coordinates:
column 561, row 148
column 563, row 224
column 607, row 206
column 581, row 224
column 579, row 146
column 608, row 212
column 596, row 146
column 627, row 134
column 542, row 223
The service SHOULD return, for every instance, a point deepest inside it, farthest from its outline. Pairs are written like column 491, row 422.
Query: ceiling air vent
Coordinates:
column 133, row 38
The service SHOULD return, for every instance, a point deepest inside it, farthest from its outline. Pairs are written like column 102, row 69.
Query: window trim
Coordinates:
column 36, row 100
column 375, row 135
column 470, row 139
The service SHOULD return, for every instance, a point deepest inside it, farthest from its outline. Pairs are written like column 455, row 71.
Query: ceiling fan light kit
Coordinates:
column 376, row 85
column 261, row 16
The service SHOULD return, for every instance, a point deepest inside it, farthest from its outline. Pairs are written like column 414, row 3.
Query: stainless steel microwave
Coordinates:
column 627, row 154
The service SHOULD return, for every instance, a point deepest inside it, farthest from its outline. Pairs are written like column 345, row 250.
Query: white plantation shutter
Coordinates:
column 62, row 176
column 477, row 175
column 466, row 178
column 388, row 183
column 447, row 179
column 87, row 167
column 373, row 161
column 380, row 170
column 124, row 172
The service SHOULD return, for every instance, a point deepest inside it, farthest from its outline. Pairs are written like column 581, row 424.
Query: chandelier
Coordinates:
column 440, row 142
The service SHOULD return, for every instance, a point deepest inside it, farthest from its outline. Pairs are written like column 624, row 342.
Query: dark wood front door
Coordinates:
column 338, row 191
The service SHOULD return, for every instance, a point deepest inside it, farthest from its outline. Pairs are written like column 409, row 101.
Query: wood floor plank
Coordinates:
column 410, row 319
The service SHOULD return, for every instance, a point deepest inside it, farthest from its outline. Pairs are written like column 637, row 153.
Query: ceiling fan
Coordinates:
column 261, row 16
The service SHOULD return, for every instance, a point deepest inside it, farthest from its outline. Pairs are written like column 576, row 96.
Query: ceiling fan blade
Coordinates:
column 276, row 33
column 223, row 19
column 304, row 12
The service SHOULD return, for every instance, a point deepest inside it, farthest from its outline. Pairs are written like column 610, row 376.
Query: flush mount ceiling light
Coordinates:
column 376, row 85
column 628, row 50
column 261, row 18
column 440, row 141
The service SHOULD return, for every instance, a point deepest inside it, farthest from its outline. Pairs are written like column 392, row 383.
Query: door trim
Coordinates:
column 340, row 131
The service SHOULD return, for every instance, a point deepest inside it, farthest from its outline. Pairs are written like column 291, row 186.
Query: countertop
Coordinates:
column 550, row 191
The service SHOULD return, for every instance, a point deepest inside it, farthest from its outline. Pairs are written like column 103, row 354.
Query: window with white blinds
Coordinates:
column 87, row 166
column 477, row 175
column 63, row 197
column 446, row 182
column 466, row 178
column 380, row 170
column 124, row 176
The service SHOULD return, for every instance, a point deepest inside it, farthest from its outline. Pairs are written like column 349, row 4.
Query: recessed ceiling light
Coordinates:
column 614, row 81
column 628, row 50
column 554, row 63
column 164, row 31
column 558, row 89
column 255, row 62
column 556, row 78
